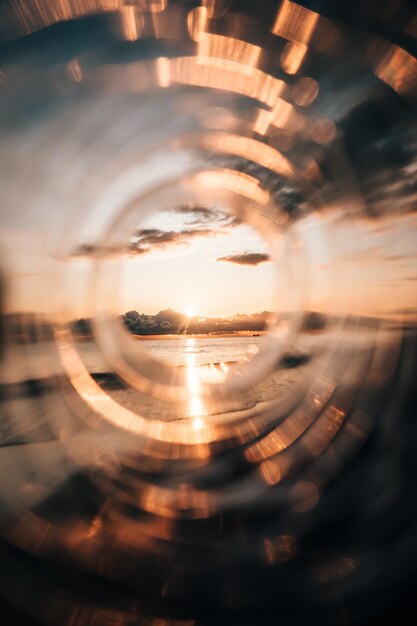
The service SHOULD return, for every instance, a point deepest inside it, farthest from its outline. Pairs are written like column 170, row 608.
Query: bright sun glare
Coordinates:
column 189, row 310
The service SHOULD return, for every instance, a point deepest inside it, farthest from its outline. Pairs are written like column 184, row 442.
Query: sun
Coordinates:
column 189, row 310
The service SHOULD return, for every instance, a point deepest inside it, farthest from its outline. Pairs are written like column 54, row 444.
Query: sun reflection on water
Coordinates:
column 195, row 403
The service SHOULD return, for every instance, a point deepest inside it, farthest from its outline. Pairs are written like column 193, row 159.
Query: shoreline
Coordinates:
column 214, row 335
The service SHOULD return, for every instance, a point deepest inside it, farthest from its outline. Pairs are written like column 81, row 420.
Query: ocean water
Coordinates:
column 202, row 350
column 42, row 360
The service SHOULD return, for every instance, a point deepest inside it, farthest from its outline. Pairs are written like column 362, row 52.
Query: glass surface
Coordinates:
column 208, row 310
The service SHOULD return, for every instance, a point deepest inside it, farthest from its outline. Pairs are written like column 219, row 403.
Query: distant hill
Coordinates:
column 171, row 322
column 33, row 327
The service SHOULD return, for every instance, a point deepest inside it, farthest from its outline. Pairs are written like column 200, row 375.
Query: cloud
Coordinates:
column 205, row 216
column 84, row 249
column 147, row 239
column 199, row 222
column 246, row 258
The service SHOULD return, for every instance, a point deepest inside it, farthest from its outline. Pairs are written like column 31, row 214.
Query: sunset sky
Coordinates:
column 198, row 261
column 207, row 265
column 204, row 262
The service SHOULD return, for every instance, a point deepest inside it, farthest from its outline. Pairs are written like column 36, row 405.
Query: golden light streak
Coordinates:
column 208, row 72
column 154, row 6
column 282, row 116
column 251, row 149
column 132, row 23
column 286, row 433
column 197, row 21
column 163, row 73
column 190, row 310
column 195, row 402
column 229, row 76
column 172, row 502
column 270, row 472
column 330, row 422
column 294, row 22
column 292, row 57
column 118, row 415
column 233, row 181
column 37, row 14
column 398, row 69
column 216, row 8
column 210, row 45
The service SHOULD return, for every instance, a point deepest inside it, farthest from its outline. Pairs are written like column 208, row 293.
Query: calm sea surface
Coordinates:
column 43, row 359
column 202, row 350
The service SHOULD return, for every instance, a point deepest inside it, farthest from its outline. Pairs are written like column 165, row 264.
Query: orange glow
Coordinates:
column 132, row 23
column 282, row 116
column 328, row 424
column 171, row 502
column 286, row 433
column 292, row 57
column 305, row 91
column 154, row 6
column 189, row 310
column 197, row 21
column 236, row 182
column 105, row 406
column 195, row 402
column 163, row 71
column 37, row 14
column 216, row 8
column 227, row 75
column 251, row 149
column 270, row 472
column 228, row 48
column 294, row 22
column 399, row 70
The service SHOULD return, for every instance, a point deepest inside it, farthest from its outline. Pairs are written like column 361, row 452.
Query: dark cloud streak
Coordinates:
column 205, row 216
column 247, row 258
column 149, row 239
